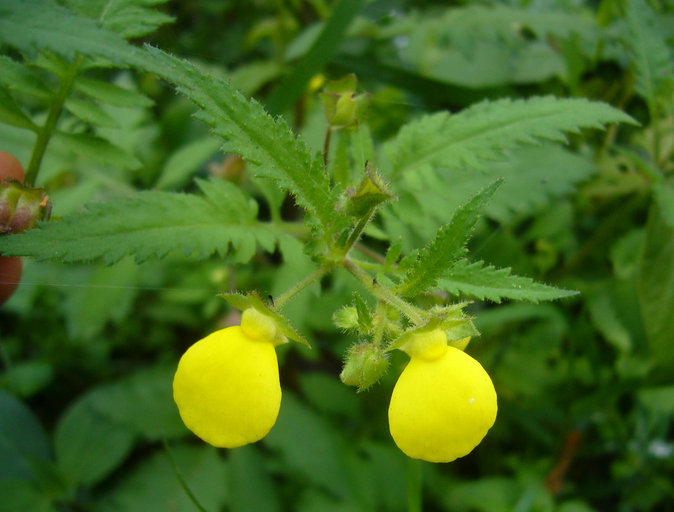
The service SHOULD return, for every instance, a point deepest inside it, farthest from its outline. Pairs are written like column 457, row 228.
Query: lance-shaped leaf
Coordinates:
column 265, row 143
column 486, row 282
column 483, row 131
column 243, row 302
column 448, row 246
column 151, row 225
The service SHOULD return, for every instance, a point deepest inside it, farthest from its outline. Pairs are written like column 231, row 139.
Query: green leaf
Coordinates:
column 250, row 484
column 89, row 112
column 12, row 114
column 151, row 225
column 483, row 131
column 97, row 149
column 89, row 446
column 252, row 300
column 153, row 484
column 129, row 18
column 300, row 434
column 186, row 161
column 267, row 144
column 112, row 94
column 449, row 245
column 655, row 285
column 323, row 48
column 486, row 282
column 45, row 25
column 22, row 496
column 652, row 61
column 22, row 439
column 21, row 78
column 143, row 403
column 106, row 296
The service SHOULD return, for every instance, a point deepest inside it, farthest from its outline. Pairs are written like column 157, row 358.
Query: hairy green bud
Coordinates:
column 365, row 364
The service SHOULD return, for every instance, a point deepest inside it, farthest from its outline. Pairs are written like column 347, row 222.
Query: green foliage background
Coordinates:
column 463, row 94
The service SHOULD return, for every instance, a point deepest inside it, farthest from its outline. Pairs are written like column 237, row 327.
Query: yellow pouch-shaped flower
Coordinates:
column 443, row 403
column 227, row 385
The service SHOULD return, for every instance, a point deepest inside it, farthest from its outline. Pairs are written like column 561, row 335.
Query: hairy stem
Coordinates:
column 47, row 129
column 383, row 293
column 288, row 294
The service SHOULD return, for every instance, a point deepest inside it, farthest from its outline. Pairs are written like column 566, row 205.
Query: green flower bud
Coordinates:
column 343, row 107
column 21, row 206
column 365, row 365
column 346, row 318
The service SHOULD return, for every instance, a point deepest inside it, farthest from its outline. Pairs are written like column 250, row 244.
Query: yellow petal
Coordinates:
column 442, row 408
column 227, row 388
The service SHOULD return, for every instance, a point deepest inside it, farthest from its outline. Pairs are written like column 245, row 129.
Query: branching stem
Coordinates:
column 288, row 294
column 383, row 293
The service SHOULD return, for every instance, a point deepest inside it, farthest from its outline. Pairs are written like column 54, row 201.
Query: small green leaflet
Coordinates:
column 483, row 131
column 266, row 143
column 151, row 225
column 45, row 25
column 486, row 282
column 449, row 245
column 243, row 302
column 653, row 67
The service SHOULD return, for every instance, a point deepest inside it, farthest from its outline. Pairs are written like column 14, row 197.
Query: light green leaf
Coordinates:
column 89, row 112
column 265, row 143
column 112, row 94
column 45, row 25
column 651, row 58
column 89, row 446
column 151, row 225
column 129, row 18
column 21, row 78
column 483, row 131
column 97, row 149
column 106, row 296
column 449, row 245
column 11, row 113
column 655, row 287
column 486, row 282
column 185, row 162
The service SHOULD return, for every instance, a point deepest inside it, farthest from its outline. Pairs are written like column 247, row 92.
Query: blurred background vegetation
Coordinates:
column 585, row 385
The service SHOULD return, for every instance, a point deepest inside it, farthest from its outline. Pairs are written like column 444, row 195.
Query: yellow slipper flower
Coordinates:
column 227, row 386
column 443, row 403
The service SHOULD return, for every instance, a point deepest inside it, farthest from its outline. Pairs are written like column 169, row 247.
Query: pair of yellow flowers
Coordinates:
column 228, row 392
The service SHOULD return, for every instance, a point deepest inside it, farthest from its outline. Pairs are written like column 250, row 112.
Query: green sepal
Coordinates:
column 364, row 315
column 343, row 107
column 371, row 192
column 451, row 319
column 253, row 300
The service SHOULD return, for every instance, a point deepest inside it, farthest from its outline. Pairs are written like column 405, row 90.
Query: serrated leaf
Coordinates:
column 448, row 245
column 45, row 25
column 151, row 225
column 89, row 112
column 112, row 94
column 17, row 76
column 97, row 149
column 653, row 65
column 265, row 143
column 243, row 302
column 484, row 131
column 11, row 113
column 486, row 282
